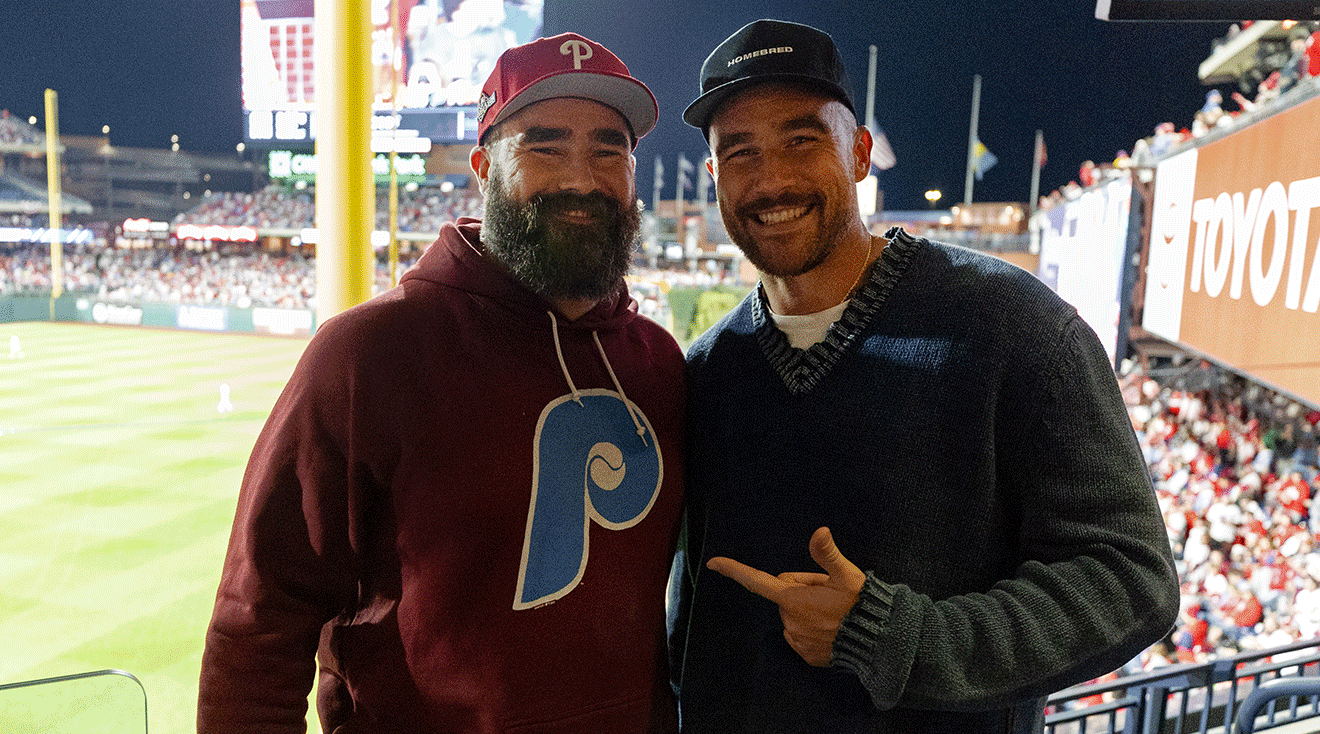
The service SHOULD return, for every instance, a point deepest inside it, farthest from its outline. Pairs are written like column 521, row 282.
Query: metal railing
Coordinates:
column 83, row 676
column 1265, row 698
column 1198, row 698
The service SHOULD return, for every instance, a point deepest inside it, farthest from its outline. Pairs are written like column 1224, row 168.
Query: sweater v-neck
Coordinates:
column 802, row 369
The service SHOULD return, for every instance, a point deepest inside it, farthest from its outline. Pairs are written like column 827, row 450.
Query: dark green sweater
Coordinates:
column 960, row 431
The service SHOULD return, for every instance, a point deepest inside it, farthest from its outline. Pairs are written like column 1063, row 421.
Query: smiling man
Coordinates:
column 465, row 503
column 915, row 501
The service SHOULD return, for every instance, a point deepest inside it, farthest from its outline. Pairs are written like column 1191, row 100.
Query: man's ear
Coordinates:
column 862, row 143
column 479, row 159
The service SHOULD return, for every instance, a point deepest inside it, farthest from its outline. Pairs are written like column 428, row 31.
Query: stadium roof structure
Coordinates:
column 22, row 197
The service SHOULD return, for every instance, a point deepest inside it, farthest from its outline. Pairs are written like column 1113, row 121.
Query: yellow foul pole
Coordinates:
column 53, row 194
column 396, row 62
column 345, row 188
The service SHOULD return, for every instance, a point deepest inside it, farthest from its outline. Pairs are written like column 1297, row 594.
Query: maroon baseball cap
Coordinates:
column 566, row 65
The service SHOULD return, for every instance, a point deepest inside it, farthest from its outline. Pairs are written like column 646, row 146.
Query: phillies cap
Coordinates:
column 765, row 51
column 566, row 65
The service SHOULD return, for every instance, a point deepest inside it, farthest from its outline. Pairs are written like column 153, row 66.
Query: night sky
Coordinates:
column 154, row 68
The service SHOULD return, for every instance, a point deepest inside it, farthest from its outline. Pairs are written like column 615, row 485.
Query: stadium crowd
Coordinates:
column 272, row 207
column 237, row 275
column 25, row 221
column 1236, row 471
column 234, row 275
column 422, row 209
column 176, row 275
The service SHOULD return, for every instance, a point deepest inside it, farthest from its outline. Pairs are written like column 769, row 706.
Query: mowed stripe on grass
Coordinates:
column 118, row 479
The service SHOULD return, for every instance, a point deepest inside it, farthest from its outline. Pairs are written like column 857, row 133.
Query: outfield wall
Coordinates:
column 87, row 308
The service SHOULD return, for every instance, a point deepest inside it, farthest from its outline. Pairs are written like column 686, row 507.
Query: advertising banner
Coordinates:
column 282, row 321
column 1233, row 267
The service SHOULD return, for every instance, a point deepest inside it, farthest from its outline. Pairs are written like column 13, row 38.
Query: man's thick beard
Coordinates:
column 554, row 259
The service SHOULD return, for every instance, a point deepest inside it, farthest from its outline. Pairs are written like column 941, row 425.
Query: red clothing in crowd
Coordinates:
column 1248, row 611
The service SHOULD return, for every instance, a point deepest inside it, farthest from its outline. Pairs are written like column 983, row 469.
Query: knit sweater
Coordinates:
column 961, row 432
column 465, row 507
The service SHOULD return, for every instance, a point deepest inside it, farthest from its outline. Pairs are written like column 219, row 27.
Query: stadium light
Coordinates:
column 105, row 129
column 240, row 147
column 933, row 196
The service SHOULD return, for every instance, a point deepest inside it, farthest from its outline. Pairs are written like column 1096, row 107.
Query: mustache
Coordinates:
column 787, row 200
column 594, row 204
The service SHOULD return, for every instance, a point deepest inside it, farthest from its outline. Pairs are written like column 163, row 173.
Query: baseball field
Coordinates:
column 121, row 453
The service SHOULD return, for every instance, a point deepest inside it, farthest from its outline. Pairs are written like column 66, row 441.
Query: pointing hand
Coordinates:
column 812, row 605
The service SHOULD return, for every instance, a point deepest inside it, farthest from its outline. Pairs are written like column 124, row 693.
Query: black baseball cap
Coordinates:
column 764, row 51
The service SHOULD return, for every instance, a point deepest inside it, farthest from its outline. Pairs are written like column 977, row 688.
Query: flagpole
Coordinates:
column 396, row 63
column 703, row 193
column 882, row 156
column 680, row 231
column 971, row 138
column 1035, row 174
column 655, row 206
column 655, row 194
column 870, row 92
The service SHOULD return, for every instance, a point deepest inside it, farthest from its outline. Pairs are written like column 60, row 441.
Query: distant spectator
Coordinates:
column 1298, row 65
column 19, row 132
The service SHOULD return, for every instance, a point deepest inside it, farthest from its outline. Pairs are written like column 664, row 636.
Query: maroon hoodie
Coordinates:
column 465, row 506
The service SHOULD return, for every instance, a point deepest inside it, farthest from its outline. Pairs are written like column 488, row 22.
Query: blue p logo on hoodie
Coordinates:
column 591, row 465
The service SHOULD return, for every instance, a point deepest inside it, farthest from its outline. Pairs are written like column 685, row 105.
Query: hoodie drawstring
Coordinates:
column 641, row 432
column 559, row 352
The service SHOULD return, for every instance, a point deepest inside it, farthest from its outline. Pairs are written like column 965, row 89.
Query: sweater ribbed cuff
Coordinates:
column 862, row 626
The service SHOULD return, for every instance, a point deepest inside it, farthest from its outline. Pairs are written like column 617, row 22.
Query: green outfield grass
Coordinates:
column 118, row 480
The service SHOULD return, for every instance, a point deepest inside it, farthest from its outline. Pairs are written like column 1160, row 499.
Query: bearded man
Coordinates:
column 465, row 503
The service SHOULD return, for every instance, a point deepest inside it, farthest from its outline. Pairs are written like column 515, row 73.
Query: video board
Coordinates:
column 1083, row 249
column 1227, row 11
column 446, row 50
column 1234, row 265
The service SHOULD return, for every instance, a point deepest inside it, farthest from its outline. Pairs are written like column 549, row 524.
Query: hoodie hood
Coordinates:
column 457, row 259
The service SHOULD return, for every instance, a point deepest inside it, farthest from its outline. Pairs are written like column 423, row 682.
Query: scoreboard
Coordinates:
column 427, row 72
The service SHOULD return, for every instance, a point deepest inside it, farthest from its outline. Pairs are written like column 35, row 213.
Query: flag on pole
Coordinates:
column 882, row 155
column 1037, row 163
column 684, row 172
column 982, row 159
